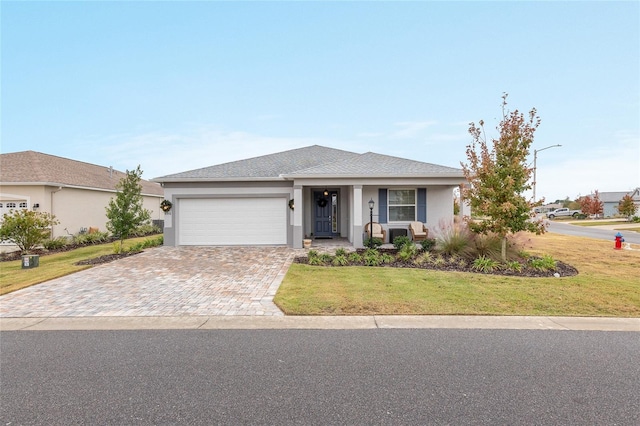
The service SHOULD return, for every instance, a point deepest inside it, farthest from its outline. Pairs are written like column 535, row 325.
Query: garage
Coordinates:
column 232, row 221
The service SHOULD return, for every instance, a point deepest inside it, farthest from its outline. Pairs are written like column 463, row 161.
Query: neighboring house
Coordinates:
column 282, row 198
column 611, row 200
column 76, row 193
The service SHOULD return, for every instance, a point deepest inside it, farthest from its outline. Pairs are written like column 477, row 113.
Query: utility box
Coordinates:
column 396, row 232
column 30, row 261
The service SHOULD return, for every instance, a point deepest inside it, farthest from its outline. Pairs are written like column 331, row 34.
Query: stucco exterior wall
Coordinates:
column 75, row 208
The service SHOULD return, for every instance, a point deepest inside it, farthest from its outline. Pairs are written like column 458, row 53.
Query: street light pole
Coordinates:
column 535, row 159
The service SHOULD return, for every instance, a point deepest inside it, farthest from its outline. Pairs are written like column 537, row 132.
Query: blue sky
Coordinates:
column 175, row 86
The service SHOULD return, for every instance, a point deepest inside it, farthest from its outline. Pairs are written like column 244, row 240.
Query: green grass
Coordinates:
column 13, row 277
column 605, row 286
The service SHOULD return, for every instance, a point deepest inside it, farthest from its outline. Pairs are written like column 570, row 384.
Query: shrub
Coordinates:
column 146, row 229
column 485, row 264
column 340, row 260
column 371, row 257
column 373, row 242
column 544, row 263
column 407, row 251
column 514, row 266
column 92, row 238
column 26, row 229
column 401, row 241
column 341, row 252
column 54, row 244
column 387, row 258
column 635, row 219
column 428, row 244
column 354, row 257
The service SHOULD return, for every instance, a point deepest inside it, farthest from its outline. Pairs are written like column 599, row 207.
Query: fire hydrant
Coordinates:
column 619, row 241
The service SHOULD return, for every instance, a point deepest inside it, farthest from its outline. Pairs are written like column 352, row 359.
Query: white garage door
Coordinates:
column 232, row 221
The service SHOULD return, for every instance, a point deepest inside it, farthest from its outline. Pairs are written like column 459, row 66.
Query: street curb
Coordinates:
column 321, row 323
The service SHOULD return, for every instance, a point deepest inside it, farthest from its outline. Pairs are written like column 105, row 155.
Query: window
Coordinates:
column 23, row 205
column 11, row 205
column 402, row 205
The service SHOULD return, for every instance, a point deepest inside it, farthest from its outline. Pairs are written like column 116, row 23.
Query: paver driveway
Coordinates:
column 163, row 281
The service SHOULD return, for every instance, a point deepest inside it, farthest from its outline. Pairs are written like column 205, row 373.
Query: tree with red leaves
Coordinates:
column 498, row 177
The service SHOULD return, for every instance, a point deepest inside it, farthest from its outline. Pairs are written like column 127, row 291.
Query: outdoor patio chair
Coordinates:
column 378, row 231
column 419, row 232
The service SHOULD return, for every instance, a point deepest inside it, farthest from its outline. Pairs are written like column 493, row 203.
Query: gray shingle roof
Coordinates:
column 266, row 166
column 371, row 164
column 31, row 167
column 315, row 161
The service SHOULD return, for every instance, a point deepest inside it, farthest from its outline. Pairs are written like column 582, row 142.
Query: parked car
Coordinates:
column 564, row 212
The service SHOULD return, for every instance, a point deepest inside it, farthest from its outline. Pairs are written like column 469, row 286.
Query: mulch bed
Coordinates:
column 563, row 269
column 106, row 258
column 16, row 255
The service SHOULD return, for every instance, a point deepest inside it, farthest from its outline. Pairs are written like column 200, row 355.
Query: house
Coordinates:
column 611, row 200
column 319, row 192
column 76, row 193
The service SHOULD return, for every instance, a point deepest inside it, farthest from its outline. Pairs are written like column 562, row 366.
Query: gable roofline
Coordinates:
column 314, row 162
column 32, row 168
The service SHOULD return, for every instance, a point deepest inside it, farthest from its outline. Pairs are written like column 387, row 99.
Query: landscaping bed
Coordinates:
column 389, row 258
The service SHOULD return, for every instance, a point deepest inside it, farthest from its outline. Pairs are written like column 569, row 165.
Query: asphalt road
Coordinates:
column 591, row 232
column 320, row 377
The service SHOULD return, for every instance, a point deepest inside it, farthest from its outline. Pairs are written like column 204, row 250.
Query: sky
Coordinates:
column 176, row 86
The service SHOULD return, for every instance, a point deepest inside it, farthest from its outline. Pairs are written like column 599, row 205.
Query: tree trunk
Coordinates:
column 504, row 249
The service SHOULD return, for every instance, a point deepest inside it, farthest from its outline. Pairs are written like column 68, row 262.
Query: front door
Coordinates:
column 325, row 217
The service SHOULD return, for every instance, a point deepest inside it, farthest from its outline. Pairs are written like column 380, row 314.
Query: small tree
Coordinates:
column 26, row 229
column 627, row 207
column 498, row 177
column 126, row 212
column 591, row 205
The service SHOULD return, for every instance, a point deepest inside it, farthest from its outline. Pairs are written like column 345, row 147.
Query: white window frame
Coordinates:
column 414, row 204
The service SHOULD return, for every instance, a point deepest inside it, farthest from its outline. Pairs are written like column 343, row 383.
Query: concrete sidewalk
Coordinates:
column 320, row 322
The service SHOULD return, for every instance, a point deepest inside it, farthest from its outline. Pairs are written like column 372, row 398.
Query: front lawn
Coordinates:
column 606, row 285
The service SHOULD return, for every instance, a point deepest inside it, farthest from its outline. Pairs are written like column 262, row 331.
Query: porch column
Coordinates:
column 357, row 217
column 297, row 216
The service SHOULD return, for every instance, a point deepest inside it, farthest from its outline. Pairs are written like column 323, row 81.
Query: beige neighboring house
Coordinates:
column 76, row 193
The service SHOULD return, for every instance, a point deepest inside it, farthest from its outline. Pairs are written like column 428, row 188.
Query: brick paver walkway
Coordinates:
column 163, row 281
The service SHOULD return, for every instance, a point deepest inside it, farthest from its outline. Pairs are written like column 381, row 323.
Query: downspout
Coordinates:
column 51, row 204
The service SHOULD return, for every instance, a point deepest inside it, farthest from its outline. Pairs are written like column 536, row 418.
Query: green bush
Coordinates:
column 485, row 264
column 373, row 242
column 354, row 257
column 401, row 241
column 407, row 251
column 387, row 258
column 26, row 229
column 55, row 244
column 428, row 244
column 544, row 263
column 341, row 252
column 635, row 219
column 514, row 266
column 340, row 260
column 371, row 257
